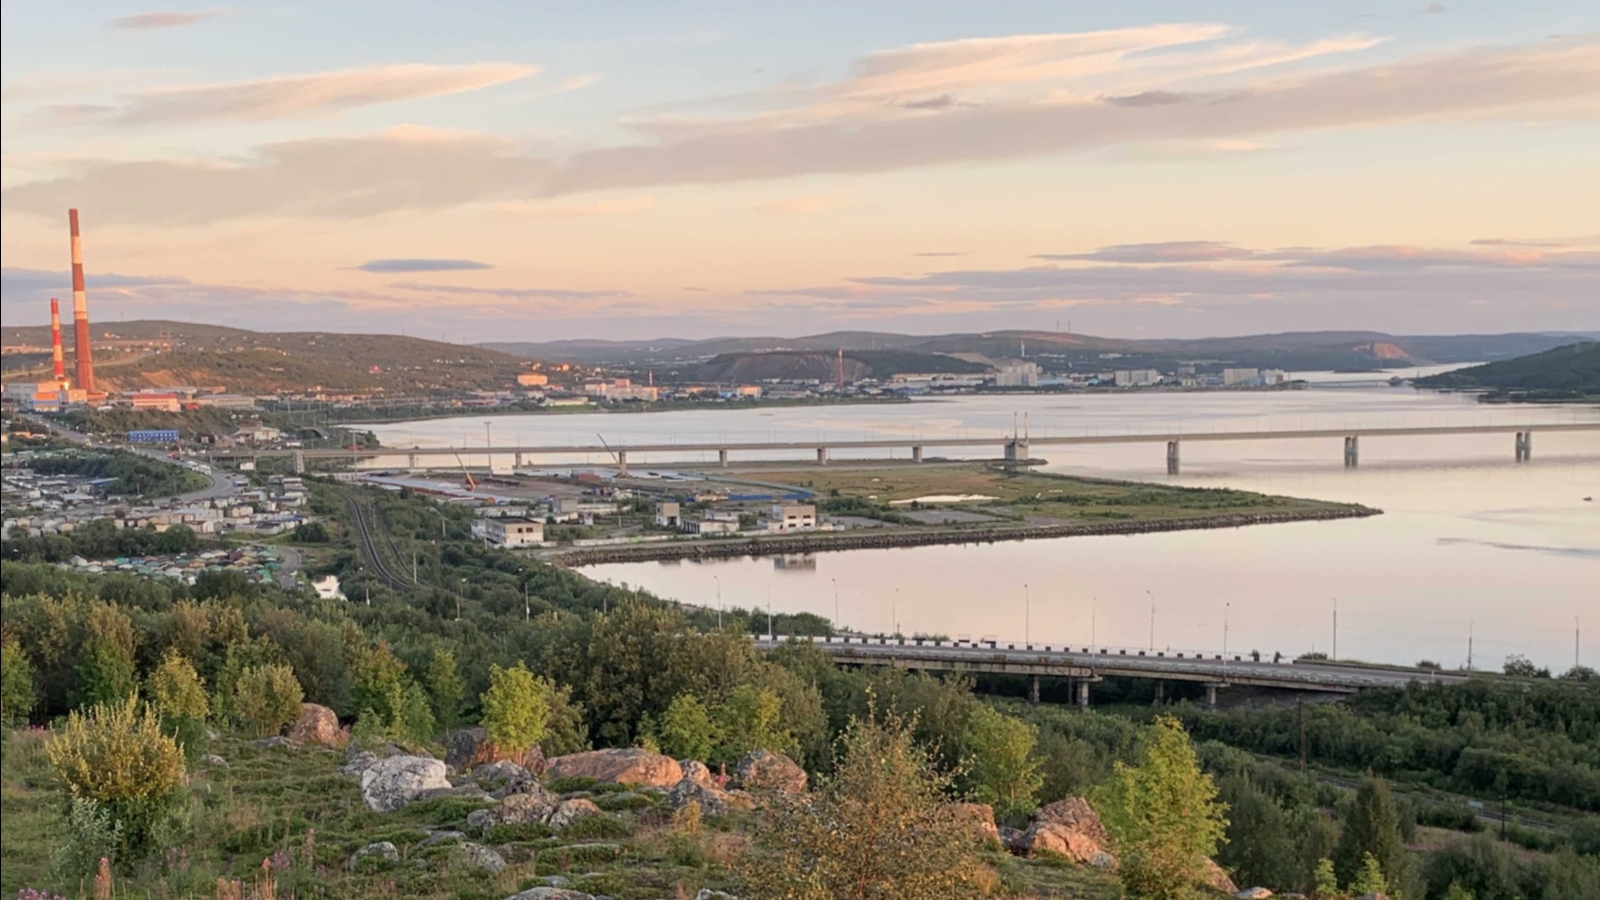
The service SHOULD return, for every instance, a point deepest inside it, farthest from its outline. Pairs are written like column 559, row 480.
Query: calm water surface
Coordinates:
column 1471, row 545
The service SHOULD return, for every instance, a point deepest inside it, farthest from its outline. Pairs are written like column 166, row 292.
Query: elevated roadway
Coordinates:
column 1085, row 665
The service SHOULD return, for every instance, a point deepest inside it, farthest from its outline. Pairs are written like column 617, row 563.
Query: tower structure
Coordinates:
column 80, row 310
column 58, row 365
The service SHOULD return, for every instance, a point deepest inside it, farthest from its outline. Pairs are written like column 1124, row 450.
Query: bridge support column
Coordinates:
column 1083, row 695
column 722, row 458
column 519, row 459
column 298, row 463
column 1524, row 446
column 916, row 454
column 1211, row 693
column 1161, row 692
column 411, row 462
column 1033, row 691
column 1172, row 457
column 1352, row 451
column 1017, row 451
column 622, row 463
column 822, row 456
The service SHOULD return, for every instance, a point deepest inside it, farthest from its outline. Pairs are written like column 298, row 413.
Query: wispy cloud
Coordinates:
column 1166, row 252
column 147, row 21
column 509, row 293
column 421, row 265
column 290, row 96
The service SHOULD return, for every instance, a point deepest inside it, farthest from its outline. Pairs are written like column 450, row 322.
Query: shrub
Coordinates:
column 116, row 756
column 106, row 672
column 515, row 708
column 1004, row 771
column 687, row 730
column 175, row 689
column 16, row 683
column 266, row 698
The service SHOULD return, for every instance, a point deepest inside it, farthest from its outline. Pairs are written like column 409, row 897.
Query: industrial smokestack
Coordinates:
column 80, row 310
column 60, row 368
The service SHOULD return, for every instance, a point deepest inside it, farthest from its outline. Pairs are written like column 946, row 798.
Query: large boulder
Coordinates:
column 976, row 817
column 317, row 725
column 1075, row 814
column 533, row 805
column 550, row 893
column 629, row 765
column 389, row 784
column 1059, row 840
column 477, row 856
column 383, row 851
column 697, row 771
column 571, row 811
column 471, row 747
column 1212, row 876
column 763, row 770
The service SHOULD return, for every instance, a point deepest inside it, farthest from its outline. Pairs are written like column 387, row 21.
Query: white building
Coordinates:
column 1137, row 377
column 508, row 531
column 713, row 526
column 668, row 514
column 791, row 517
column 1017, row 373
column 1231, row 377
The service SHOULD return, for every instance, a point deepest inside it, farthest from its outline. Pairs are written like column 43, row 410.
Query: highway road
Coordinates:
column 221, row 485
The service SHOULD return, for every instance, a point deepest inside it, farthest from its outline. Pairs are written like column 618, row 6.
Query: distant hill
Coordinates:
column 1352, row 350
column 823, row 366
column 1572, row 370
column 147, row 354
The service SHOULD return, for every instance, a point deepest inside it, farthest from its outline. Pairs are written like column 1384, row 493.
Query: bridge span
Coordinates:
column 1083, row 666
column 1016, row 447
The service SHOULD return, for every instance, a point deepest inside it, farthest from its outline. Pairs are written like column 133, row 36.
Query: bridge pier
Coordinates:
column 1017, row 450
column 622, row 463
column 822, row 456
column 722, row 457
column 298, row 462
column 411, row 462
column 1033, row 691
column 519, row 459
column 916, row 453
column 1083, row 695
column 1211, row 693
column 1172, row 457
column 1161, row 692
column 1352, row 451
column 1524, row 446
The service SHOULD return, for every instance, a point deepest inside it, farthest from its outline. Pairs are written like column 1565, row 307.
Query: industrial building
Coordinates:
column 153, row 436
column 508, row 531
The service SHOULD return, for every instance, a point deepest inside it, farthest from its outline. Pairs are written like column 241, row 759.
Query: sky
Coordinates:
column 495, row 170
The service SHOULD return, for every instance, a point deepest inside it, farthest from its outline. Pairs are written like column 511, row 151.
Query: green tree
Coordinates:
column 378, row 683
column 1003, row 769
column 565, row 730
column 1163, row 815
column 1260, row 847
column 445, row 688
column 877, row 829
column 516, row 708
column 687, row 730
column 266, row 698
column 1369, row 880
column 175, row 689
column 1457, row 892
column 115, row 755
column 16, row 683
column 751, row 719
column 106, row 670
column 1325, row 884
column 1372, row 828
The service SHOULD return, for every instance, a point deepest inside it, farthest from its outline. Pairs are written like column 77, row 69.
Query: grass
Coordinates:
column 1037, row 496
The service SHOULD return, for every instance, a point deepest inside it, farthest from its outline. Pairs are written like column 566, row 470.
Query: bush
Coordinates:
column 16, row 684
column 175, row 689
column 116, row 756
column 515, row 708
column 266, row 698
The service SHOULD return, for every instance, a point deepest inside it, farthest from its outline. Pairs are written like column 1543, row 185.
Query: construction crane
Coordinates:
column 613, row 453
column 472, row 483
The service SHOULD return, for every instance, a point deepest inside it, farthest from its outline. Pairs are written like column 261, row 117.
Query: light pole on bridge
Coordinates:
column 1152, row 620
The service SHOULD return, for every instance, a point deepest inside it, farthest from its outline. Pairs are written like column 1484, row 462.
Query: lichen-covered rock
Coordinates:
column 1212, row 876
column 389, row 784
column 550, row 893
column 1255, row 893
column 1059, row 840
column 571, row 811
column 534, row 805
column 442, row 837
column 698, row 772
column 499, row 771
column 383, row 851
column 461, row 791
column 1077, row 815
column 763, row 770
column 357, row 762
column 978, row 818
column 466, row 748
column 276, row 740
column 478, row 856
column 713, row 802
column 316, row 725
column 629, row 765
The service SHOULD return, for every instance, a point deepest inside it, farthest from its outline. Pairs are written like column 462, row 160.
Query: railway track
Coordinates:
column 370, row 533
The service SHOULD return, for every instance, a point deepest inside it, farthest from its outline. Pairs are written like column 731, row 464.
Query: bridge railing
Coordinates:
column 1022, row 647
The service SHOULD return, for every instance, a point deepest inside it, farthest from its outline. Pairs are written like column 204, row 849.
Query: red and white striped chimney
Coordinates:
column 60, row 368
column 80, row 310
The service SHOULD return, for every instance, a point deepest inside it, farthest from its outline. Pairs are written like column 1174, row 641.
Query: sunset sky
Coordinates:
column 531, row 171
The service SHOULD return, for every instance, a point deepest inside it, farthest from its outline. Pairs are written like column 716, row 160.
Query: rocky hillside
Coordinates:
column 1573, row 370
column 800, row 365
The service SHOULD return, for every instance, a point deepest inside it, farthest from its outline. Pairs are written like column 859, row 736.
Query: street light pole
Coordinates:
column 718, row 580
column 835, row 604
column 1027, row 616
column 1152, row 620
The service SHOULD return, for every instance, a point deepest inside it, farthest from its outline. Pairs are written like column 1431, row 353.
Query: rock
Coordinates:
column 213, row 761
column 501, row 771
column 698, row 772
column 1045, row 837
column 762, row 770
column 276, row 740
column 391, row 783
column 629, row 765
column 356, row 763
column 713, row 802
column 1373, row 896
column 571, row 811
column 979, row 817
column 1104, row 860
column 383, row 850
column 316, row 725
column 466, row 748
column 534, row 805
column 440, row 837
column 1255, row 893
column 554, row 893
column 709, row 894
column 481, row 820
column 556, row 881
column 1077, row 815
column 1011, row 839
column 463, row 791
column 480, row 857
column 1213, row 877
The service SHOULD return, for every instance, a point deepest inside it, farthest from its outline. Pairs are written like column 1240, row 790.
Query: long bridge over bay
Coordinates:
column 1016, row 447
column 1084, row 666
